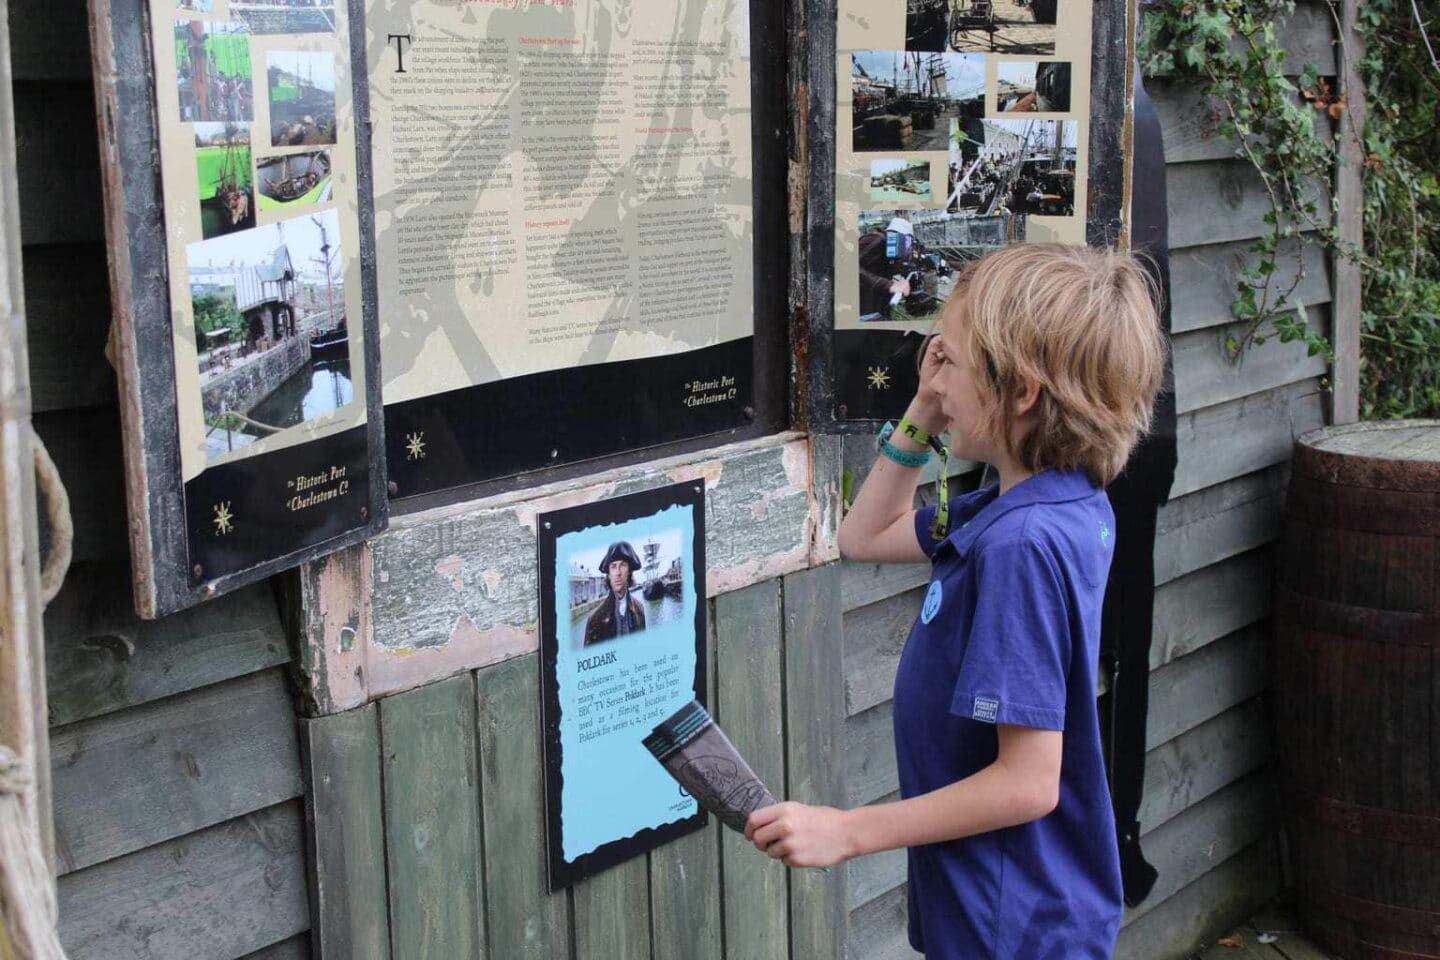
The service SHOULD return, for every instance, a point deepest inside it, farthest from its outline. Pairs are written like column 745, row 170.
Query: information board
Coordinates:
column 563, row 202
column 245, row 322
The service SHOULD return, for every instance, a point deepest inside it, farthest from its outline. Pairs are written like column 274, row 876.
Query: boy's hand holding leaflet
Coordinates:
column 704, row 761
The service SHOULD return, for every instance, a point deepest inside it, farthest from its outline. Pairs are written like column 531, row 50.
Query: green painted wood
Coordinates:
column 750, row 707
column 525, row 922
column 866, row 583
column 225, row 891
column 1179, row 926
column 346, row 835
column 99, row 657
column 612, row 913
column 685, row 888
column 432, row 821
column 814, row 723
column 130, row 780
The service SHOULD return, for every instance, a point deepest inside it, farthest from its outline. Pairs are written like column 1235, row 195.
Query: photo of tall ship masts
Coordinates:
column 1022, row 167
column 909, row 106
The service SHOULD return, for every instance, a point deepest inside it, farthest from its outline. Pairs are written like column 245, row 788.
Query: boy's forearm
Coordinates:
column 992, row 799
column 888, row 492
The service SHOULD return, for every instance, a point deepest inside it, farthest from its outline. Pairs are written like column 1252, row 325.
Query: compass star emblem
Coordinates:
column 879, row 378
column 415, row 445
column 224, row 520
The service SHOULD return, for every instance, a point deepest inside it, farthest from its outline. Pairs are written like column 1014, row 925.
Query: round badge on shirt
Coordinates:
column 931, row 607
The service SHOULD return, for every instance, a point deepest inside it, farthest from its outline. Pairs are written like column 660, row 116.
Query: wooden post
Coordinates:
column 1350, row 222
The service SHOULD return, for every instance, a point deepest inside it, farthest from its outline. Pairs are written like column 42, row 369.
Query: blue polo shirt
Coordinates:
column 1009, row 632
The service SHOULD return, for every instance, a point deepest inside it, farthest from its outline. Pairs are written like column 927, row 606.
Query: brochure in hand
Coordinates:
column 704, row 761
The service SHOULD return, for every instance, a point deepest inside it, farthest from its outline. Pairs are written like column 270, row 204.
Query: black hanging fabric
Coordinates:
column 1136, row 497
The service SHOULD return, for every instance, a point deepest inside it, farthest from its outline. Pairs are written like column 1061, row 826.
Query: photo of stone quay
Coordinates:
column 270, row 329
column 627, row 587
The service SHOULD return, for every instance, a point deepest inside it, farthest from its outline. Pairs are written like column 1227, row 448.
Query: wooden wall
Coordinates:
column 1208, row 821
column 174, row 744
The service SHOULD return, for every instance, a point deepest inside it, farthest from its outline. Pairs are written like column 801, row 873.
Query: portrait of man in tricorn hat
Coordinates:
column 621, row 612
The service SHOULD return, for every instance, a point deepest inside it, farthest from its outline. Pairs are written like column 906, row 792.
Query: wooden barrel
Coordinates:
column 1357, row 687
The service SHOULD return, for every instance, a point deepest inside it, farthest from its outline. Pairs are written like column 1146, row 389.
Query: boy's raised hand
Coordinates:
column 801, row 835
column 927, row 397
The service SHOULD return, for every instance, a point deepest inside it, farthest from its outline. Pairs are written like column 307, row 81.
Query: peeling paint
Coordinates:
column 450, row 568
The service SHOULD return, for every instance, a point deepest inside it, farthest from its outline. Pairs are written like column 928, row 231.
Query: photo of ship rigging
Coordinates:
column 195, row 6
column 626, row 587
column 212, row 71
column 222, row 165
column 984, row 26
column 1014, row 167
column 895, row 182
column 1029, row 86
column 302, row 97
column 285, row 16
column 293, row 180
column 910, row 259
column 907, row 101
column 270, row 329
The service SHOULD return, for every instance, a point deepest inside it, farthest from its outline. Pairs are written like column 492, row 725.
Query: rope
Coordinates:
column 57, row 514
column 27, row 891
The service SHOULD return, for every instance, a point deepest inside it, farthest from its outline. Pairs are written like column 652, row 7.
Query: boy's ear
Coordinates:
column 1027, row 397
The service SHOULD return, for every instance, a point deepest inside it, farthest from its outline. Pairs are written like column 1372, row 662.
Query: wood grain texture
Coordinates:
column 1188, row 616
column 874, row 637
column 525, row 922
column 169, row 768
column 1350, row 220
column 346, row 835
column 331, row 609
column 1232, row 439
column 612, row 914
column 432, row 829
column 226, row 891
column 749, row 705
column 296, row 948
column 1306, row 36
column 454, row 587
column 100, row 657
column 1203, row 280
column 862, row 584
column 878, row 929
column 814, row 720
column 1206, row 373
column 1188, row 691
column 1219, row 522
column 1222, row 200
column 1204, row 759
column 67, row 301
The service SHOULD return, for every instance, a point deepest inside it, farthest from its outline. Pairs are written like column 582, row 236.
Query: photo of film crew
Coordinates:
column 1001, row 168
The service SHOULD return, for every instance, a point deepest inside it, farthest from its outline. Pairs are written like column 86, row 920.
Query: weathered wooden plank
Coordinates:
column 346, row 835
column 1218, row 522
column 1186, row 692
column 612, row 914
column 1189, row 121
column 328, row 601
column 1306, row 36
column 525, row 922
column 877, row 874
column 862, row 584
column 1349, row 219
column 226, row 891
column 1221, row 200
column 814, row 720
column 60, row 178
column 1205, row 836
column 878, row 929
column 1211, row 603
column 685, row 886
column 1177, row 927
column 874, row 637
column 749, row 704
column 134, row 779
column 67, row 302
column 432, row 830
column 49, row 41
column 868, row 760
column 1196, row 764
column 99, row 657
column 1232, row 439
column 1206, row 373
column 296, row 948
column 826, row 461
column 1203, row 280
column 85, row 445
column 454, row 587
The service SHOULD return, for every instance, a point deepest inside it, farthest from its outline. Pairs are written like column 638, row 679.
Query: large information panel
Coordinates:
column 563, row 218
column 244, row 330
column 960, row 127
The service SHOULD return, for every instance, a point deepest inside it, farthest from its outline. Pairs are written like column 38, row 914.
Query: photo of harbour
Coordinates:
column 908, row 101
column 626, row 587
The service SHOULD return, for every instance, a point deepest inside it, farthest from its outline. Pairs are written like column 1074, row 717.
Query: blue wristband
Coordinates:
column 906, row 458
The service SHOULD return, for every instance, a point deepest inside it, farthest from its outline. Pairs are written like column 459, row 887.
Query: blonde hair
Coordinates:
column 1081, row 323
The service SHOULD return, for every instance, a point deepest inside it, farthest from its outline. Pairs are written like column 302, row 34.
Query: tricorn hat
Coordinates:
column 620, row 550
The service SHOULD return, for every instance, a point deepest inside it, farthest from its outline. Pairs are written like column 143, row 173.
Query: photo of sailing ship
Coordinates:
column 1013, row 167
column 222, row 165
column 301, row 86
column 908, row 101
column 290, row 181
column 212, row 71
column 285, row 16
column 271, row 337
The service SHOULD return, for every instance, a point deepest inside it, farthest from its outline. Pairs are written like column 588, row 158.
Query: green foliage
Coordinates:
column 214, row 311
column 1285, row 127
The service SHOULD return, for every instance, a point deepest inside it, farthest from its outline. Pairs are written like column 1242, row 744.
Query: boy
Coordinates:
column 1046, row 366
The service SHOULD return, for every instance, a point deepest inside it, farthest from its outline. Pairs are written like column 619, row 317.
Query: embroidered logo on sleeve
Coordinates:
column 933, row 596
column 986, row 709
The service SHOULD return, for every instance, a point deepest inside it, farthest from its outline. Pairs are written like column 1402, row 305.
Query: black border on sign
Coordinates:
column 487, row 439
column 549, row 527
column 837, row 399
column 160, row 504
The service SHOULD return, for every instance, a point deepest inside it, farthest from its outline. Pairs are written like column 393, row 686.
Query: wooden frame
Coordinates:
column 165, row 578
